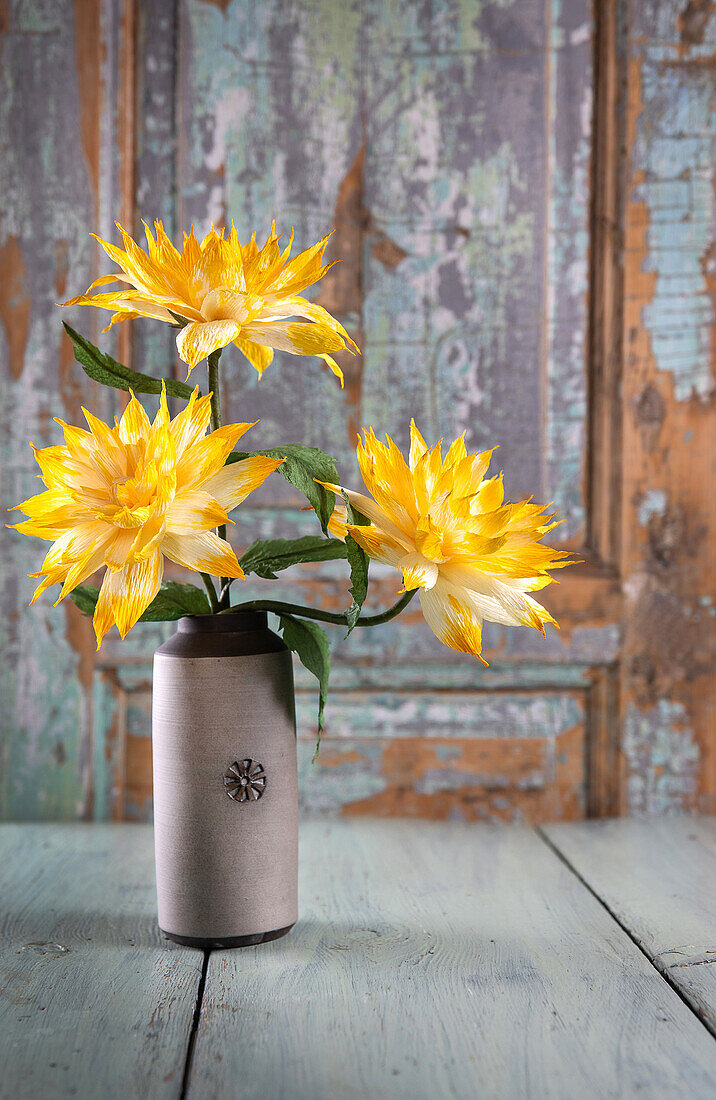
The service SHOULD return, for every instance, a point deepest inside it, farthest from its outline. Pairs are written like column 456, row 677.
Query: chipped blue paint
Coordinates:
column 662, row 759
column 676, row 152
column 384, row 715
column 446, row 753
column 653, row 504
column 567, row 273
column 324, row 789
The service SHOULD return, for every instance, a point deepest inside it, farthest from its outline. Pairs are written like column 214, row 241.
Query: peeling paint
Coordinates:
column 669, row 654
column 663, row 759
column 653, row 504
column 15, row 304
column 674, row 156
column 458, row 176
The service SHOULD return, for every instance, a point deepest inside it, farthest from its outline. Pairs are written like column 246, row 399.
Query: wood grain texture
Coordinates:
column 500, row 755
column 444, row 960
column 657, row 878
column 450, row 146
column 522, row 192
column 668, row 510
column 54, row 137
column 93, row 1000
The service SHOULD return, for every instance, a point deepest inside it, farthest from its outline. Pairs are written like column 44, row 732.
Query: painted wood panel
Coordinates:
column 469, row 155
column 450, row 146
column 669, row 507
column 444, row 960
column 94, row 1001
column 457, row 754
column 60, row 126
column 657, row 878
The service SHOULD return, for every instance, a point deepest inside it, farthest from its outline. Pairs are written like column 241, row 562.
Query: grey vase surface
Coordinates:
column 225, row 782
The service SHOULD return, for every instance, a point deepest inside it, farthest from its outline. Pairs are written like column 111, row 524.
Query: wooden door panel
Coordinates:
column 668, row 685
column 61, row 135
column 471, row 158
column 458, row 753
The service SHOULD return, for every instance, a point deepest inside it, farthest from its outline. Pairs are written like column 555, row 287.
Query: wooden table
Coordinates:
column 430, row 960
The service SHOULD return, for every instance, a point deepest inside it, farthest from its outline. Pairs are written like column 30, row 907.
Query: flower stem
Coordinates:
column 213, row 365
column 337, row 617
column 211, row 591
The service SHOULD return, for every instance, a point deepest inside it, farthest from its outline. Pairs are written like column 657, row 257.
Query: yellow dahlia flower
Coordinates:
column 226, row 292
column 450, row 532
column 126, row 497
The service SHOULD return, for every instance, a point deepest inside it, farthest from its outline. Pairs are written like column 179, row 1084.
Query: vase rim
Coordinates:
column 227, row 623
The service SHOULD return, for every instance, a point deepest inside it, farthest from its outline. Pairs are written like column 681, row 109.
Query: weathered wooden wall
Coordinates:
column 669, row 429
column 504, row 263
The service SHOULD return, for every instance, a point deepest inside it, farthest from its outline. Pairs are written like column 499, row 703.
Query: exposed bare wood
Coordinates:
column 606, row 284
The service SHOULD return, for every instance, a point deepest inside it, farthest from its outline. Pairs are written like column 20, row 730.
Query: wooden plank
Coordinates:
column 606, row 285
column 487, row 755
column 482, row 778
column 668, row 511
column 444, row 960
column 63, row 138
column 476, row 204
column 658, row 878
column 50, row 164
column 93, row 1000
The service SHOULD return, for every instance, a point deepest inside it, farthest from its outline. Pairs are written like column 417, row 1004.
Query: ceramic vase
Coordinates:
column 225, row 782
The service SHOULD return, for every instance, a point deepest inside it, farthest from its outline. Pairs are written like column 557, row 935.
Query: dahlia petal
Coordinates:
column 454, row 621
column 338, row 523
column 418, row 446
column 498, row 599
column 233, row 483
column 377, row 544
column 134, row 423
column 373, row 512
column 194, row 510
column 197, row 340
column 191, row 423
column 417, row 571
column 205, row 552
column 334, row 368
column 490, row 495
column 259, row 357
column 295, row 337
column 126, row 594
column 82, row 569
column 208, row 455
column 285, row 306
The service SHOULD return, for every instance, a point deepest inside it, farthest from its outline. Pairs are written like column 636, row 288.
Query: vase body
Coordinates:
column 225, row 782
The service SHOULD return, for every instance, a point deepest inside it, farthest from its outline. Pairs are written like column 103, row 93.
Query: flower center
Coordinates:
column 230, row 305
column 141, row 495
column 134, row 493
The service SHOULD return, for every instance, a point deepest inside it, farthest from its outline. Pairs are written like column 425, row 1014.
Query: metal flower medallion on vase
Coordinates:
column 245, row 780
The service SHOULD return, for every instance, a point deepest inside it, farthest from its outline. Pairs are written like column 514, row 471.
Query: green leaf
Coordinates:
column 85, row 597
column 103, row 368
column 172, row 601
column 267, row 557
column 302, row 465
column 358, row 561
column 310, row 643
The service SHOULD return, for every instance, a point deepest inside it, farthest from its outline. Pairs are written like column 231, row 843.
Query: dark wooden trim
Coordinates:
column 127, row 143
column 604, row 768
column 604, row 783
column 603, row 488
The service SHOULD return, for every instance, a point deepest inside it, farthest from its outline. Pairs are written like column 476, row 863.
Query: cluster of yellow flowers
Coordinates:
column 126, row 497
